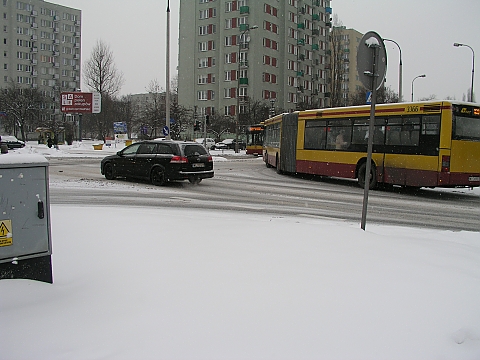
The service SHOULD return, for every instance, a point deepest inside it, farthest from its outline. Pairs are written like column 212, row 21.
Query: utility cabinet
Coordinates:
column 25, row 232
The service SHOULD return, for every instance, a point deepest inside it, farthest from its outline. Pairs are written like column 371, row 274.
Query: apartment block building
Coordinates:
column 344, row 45
column 272, row 51
column 41, row 46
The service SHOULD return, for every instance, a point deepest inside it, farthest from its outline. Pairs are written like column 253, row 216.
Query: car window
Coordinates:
column 146, row 148
column 164, row 149
column 132, row 149
column 194, row 150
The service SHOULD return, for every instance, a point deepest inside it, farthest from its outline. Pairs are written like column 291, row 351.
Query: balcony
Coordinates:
column 77, row 45
column 315, row 17
column 243, row 63
column 299, row 73
column 244, row 10
column 301, row 26
column 34, row 50
column 301, row 42
column 328, row 24
column 34, row 73
column 243, row 81
column 302, row 57
column 76, row 56
column 34, row 37
column 315, row 32
column 34, row 61
column 314, row 46
column 328, row 10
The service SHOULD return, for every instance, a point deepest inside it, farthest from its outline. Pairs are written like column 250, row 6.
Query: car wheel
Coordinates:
column 108, row 171
column 362, row 176
column 158, row 176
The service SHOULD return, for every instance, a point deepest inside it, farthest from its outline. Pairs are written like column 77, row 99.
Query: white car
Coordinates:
column 209, row 142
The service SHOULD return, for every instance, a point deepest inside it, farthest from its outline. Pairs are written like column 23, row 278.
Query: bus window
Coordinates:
column 466, row 128
column 360, row 131
column 431, row 125
column 315, row 135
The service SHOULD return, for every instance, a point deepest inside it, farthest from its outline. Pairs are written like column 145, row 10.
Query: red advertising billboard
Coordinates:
column 81, row 102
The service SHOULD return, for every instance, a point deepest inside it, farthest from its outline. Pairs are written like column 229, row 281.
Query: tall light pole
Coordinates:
column 167, row 95
column 241, row 41
column 473, row 66
column 400, row 70
column 416, row 77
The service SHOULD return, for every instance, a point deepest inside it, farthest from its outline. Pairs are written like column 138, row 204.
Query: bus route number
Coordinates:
column 411, row 109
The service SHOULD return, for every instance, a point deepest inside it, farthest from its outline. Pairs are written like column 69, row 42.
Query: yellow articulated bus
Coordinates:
column 422, row 144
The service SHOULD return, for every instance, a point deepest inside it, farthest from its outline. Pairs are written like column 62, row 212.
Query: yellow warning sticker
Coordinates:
column 6, row 236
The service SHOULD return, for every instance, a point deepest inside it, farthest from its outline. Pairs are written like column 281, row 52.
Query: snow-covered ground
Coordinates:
column 143, row 283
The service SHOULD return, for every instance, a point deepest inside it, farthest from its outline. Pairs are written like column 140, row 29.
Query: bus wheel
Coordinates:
column 277, row 165
column 361, row 176
column 266, row 161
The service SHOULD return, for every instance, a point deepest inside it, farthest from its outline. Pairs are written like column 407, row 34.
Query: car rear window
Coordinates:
column 194, row 150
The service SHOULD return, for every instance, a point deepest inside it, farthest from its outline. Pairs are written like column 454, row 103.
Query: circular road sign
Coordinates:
column 371, row 43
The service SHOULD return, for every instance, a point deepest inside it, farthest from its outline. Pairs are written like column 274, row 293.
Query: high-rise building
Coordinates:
column 41, row 46
column 345, row 83
column 269, row 51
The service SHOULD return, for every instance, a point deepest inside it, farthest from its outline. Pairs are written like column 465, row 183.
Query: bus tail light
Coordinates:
column 445, row 163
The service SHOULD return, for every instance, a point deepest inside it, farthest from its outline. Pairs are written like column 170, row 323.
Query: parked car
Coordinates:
column 160, row 161
column 230, row 144
column 11, row 141
column 209, row 143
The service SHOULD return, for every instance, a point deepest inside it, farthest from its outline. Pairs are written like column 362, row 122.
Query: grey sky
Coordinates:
column 424, row 29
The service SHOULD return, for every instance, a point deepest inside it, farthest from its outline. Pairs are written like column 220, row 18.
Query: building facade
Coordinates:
column 41, row 47
column 345, row 82
column 270, row 51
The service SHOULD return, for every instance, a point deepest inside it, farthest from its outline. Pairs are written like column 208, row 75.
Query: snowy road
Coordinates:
column 247, row 185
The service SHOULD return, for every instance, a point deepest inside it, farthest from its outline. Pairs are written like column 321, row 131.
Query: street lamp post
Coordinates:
column 400, row 72
column 473, row 66
column 237, row 120
column 416, row 77
column 167, row 92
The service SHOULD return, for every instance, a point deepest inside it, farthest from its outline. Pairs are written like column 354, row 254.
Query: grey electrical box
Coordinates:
column 25, row 233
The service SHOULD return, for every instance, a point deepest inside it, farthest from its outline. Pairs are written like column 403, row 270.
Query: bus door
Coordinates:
column 404, row 164
column 288, row 143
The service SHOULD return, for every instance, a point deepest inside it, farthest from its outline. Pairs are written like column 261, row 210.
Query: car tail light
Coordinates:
column 445, row 163
column 210, row 159
column 179, row 160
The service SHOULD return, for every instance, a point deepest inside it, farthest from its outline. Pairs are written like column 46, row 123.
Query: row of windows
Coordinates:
column 44, row 82
column 350, row 133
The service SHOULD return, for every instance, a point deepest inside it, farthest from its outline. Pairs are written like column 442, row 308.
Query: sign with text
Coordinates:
column 80, row 102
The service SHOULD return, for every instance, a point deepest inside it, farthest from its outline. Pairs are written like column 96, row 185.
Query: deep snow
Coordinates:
column 150, row 283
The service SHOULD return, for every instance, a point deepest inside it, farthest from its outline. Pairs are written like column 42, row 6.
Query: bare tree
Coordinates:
column 101, row 75
column 23, row 107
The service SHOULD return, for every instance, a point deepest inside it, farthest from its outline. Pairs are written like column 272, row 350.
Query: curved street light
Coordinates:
column 473, row 66
column 400, row 75
column 416, row 77
column 241, row 41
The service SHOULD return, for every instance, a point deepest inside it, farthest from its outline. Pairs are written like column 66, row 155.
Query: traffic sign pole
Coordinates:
column 372, row 67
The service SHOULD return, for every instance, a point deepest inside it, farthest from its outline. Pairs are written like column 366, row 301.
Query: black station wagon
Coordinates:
column 160, row 161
